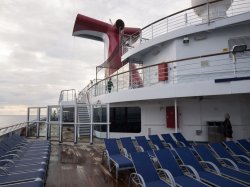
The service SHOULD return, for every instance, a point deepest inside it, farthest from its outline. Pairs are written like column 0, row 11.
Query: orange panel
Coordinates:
column 163, row 72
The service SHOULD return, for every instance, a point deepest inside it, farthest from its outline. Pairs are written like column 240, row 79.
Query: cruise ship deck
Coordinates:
column 81, row 165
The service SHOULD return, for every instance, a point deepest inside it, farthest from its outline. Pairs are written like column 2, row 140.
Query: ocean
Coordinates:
column 7, row 120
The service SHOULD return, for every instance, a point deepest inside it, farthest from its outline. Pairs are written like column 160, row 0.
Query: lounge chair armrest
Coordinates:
column 182, row 144
column 4, row 170
column 169, row 175
column 232, row 163
column 156, row 146
column 168, row 145
column 15, row 150
column 124, row 150
column 217, row 170
column 193, row 143
column 141, row 148
column 243, row 157
column 9, row 155
column 138, row 148
column 192, row 169
column 8, row 161
column 141, row 180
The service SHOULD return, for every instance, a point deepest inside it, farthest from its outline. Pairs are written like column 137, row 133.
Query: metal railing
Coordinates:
column 179, row 20
column 12, row 128
column 199, row 68
column 68, row 95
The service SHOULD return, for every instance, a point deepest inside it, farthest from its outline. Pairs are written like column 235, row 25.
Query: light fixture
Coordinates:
column 239, row 48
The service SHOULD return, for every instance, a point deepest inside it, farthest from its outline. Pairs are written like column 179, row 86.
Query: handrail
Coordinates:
column 161, row 26
column 12, row 128
column 166, row 62
column 175, row 71
column 72, row 94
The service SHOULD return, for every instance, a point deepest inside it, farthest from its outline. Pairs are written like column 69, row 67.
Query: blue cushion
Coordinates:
column 4, row 179
column 188, row 181
column 158, row 183
column 28, row 184
column 221, row 181
column 122, row 161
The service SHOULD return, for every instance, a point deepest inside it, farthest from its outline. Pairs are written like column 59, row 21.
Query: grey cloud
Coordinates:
column 38, row 54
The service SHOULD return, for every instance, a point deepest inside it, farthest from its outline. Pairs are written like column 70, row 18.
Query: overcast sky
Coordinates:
column 39, row 57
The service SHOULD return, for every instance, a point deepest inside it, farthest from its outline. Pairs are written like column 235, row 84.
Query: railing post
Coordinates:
column 48, row 123
column 28, row 119
column 140, row 37
column 38, row 122
column 117, row 81
column 75, row 126
column 186, row 18
column 60, row 125
column 152, row 30
column 91, row 124
column 108, row 122
column 208, row 13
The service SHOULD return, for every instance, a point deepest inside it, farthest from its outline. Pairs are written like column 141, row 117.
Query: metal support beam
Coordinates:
column 176, row 115
column 108, row 121
column 47, row 123
column 91, row 124
column 61, row 125
column 38, row 123
column 75, row 125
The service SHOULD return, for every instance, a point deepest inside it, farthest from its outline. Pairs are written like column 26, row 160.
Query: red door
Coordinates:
column 170, row 116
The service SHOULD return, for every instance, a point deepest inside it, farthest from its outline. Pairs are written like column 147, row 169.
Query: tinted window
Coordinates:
column 125, row 119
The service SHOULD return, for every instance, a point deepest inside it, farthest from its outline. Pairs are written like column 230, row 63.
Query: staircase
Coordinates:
column 84, row 117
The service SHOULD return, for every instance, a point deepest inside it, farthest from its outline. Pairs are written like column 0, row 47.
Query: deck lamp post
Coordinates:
column 237, row 49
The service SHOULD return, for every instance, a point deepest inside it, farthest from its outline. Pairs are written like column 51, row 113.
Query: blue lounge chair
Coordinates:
column 167, row 161
column 169, row 140
column 36, row 183
column 188, row 158
column 237, row 151
column 21, row 177
column 146, row 174
column 234, row 174
column 156, row 141
column 128, row 146
column 180, row 138
column 113, row 154
column 144, row 144
column 245, row 145
column 5, row 151
column 221, row 152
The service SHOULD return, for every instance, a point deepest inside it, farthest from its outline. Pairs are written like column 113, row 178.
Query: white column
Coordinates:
column 176, row 115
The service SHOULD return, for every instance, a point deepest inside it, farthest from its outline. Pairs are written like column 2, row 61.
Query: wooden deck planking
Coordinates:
column 81, row 165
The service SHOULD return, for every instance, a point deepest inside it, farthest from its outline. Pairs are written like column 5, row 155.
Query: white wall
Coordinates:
column 193, row 115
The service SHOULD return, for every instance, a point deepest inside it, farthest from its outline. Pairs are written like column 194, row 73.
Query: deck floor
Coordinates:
column 81, row 165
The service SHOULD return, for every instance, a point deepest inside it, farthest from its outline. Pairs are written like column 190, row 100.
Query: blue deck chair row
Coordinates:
column 167, row 161
column 235, row 150
column 21, row 163
column 188, row 158
column 221, row 152
column 146, row 175
column 245, row 145
column 233, row 173
column 115, row 158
